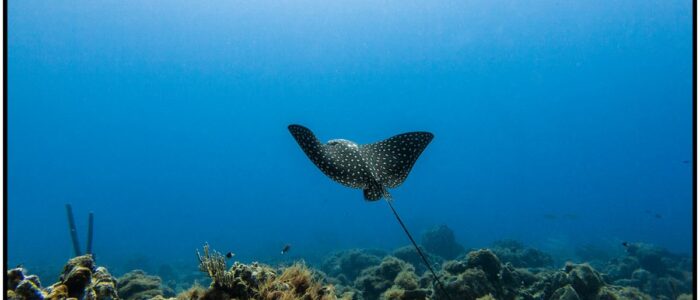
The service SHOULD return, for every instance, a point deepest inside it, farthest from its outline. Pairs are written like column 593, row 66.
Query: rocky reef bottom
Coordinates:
column 508, row 271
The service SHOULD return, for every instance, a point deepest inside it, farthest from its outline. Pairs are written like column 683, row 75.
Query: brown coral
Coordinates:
column 79, row 279
column 137, row 285
column 257, row 281
column 83, row 280
column 296, row 282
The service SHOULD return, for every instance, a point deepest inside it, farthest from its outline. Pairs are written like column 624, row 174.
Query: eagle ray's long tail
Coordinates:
column 388, row 199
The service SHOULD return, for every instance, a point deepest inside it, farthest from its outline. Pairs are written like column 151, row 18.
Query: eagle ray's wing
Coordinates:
column 392, row 159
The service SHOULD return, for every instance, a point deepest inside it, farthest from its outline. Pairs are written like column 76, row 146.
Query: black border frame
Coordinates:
column 694, row 144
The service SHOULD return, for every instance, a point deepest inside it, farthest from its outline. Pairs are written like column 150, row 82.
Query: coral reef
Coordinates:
column 579, row 281
column 480, row 275
column 409, row 255
column 241, row 281
column 566, row 292
column 651, row 269
column 643, row 272
column 391, row 279
column 376, row 279
column 20, row 286
column 522, row 274
column 80, row 279
column 104, row 284
column 347, row 265
column 520, row 256
column 181, row 276
column 193, row 293
column 137, row 285
column 486, row 261
column 295, row 282
column 257, row 281
column 594, row 253
column 440, row 240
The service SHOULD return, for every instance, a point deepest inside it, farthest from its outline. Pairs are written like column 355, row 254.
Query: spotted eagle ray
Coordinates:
column 374, row 168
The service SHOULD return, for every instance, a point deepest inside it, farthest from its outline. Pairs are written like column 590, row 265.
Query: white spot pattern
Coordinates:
column 392, row 159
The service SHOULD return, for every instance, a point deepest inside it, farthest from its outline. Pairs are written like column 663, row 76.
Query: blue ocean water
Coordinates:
column 557, row 123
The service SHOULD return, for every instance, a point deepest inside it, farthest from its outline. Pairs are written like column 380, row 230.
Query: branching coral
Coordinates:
column 257, row 281
column 241, row 281
column 214, row 264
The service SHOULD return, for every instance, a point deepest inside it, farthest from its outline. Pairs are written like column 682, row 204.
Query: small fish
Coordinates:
column 230, row 254
column 686, row 161
column 658, row 216
column 286, row 248
column 625, row 244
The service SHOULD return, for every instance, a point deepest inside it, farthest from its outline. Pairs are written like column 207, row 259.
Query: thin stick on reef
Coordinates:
column 88, row 250
column 73, row 231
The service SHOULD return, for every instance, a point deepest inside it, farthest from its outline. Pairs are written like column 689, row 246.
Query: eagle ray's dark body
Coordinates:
column 373, row 167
